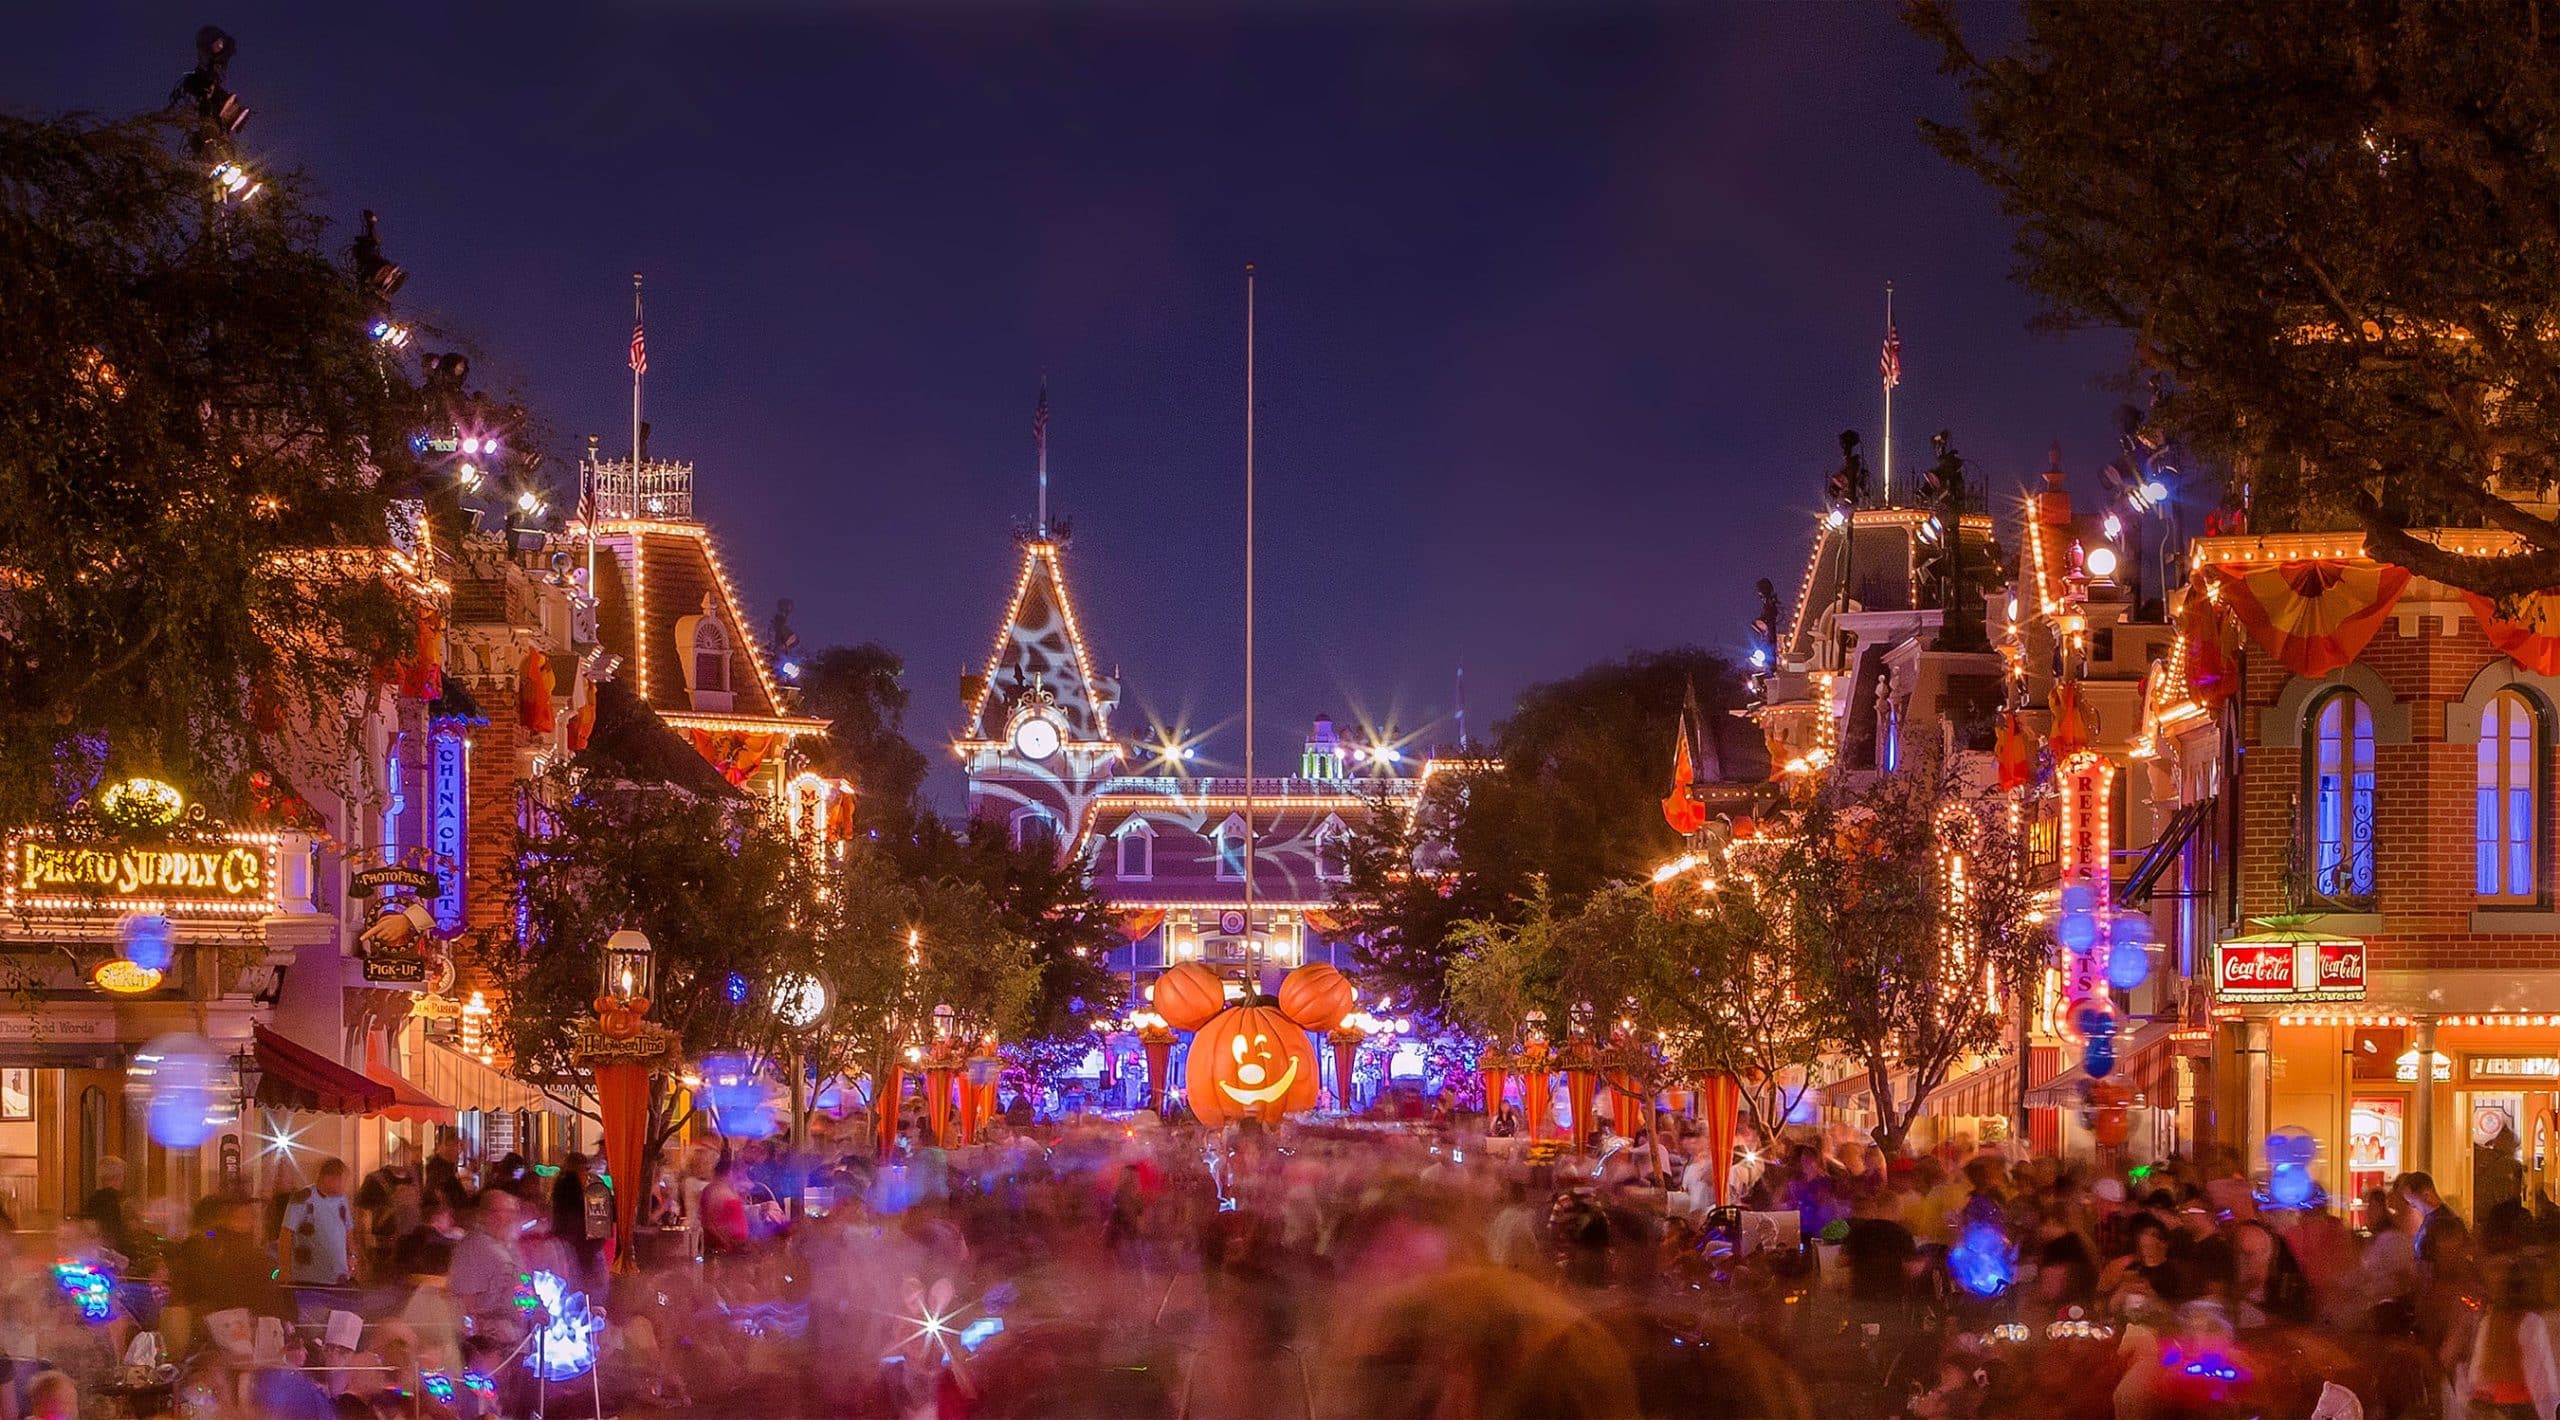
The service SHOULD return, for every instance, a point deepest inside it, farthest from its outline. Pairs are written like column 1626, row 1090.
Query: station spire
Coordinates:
column 1040, row 451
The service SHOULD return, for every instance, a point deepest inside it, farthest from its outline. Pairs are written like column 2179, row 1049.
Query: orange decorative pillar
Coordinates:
column 1494, row 1067
column 624, row 1049
column 885, row 1107
column 1346, row 1054
column 1156, row 1038
column 1720, row 1109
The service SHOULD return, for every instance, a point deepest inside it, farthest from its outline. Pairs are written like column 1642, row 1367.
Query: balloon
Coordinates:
column 1982, row 1262
column 2128, row 965
column 2079, row 898
column 146, row 939
column 2131, row 927
column 2291, row 1185
column 2292, row 1144
column 741, row 1103
column 186, row 1081
column 2092, row 1018
column 2077, row 931
column 2100, row 1060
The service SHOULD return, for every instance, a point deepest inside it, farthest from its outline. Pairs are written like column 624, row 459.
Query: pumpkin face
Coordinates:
column 1250, row 1060
column 1316, row 996
column 1188, row 994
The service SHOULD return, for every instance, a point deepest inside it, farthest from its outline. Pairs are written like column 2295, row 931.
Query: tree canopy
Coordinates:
column 194, row 407
column 1568, row 801
column 2334, row 236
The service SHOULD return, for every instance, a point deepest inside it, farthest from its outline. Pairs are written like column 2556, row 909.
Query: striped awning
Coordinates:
column 450, row 1075
column 1990, row 1089
column 2146, row 1065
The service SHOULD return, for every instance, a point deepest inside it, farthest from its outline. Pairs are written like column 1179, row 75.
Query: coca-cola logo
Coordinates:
column 2261, row 966
column 2342, row 965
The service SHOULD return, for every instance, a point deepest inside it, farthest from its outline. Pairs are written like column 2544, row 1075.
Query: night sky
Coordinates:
column 1561, row 308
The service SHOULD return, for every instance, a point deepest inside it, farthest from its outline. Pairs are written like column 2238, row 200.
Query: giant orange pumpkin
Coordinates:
column 1250, row 1060
column 1188, row 994
column 1316, row 996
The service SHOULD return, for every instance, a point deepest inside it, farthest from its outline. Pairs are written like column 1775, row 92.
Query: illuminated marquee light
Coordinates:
column 234, row 875
column 2341, row 547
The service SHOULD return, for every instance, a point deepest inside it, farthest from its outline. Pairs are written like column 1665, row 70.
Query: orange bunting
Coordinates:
column 735, row 756
column 1137, row 923
column 2070, row 722
column 2531, row 637
column 533, row 693
column 2014, row 751
column 2313, row 616
column 2212, row 665
column 582, row 726
column 1324, row 921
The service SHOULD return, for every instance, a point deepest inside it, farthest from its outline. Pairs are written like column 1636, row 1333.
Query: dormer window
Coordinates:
column 1332, row 836
column 1230, row 841
column 703, row 648
column 1137, row 847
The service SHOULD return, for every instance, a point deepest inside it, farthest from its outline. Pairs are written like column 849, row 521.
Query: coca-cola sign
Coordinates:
column 2300, row 970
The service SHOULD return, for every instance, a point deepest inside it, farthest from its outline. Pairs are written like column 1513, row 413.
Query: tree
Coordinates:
column 2334, row 237
column 725, row 899
column 1726, row 988
column 1569, row 797
column 1904, row 905
column 893, row 946
column 861, row 692
column 1501, row 969
column 197, row 429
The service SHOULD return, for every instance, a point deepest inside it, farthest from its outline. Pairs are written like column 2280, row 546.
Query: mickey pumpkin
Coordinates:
column 1250, row 1059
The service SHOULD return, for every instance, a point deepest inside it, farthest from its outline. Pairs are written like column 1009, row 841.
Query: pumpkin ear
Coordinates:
column 1316, row 996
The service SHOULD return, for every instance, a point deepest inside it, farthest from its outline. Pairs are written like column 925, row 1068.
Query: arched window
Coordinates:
column 2341, row 773
column 710, row 658
column 2508, row 810
column 1035, row 827
column 1231, row 849
column 1331, row 835
column 1137, row 851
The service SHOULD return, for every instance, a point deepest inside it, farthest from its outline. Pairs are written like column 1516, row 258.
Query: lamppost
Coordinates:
column 799, row 1001
column 1581, row 1067
column 623, row 1048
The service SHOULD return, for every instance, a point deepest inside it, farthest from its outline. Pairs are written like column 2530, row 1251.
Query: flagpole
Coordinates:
column 639, row 365
column 1253, row 951
column 1891, row 378
column 1043, row 443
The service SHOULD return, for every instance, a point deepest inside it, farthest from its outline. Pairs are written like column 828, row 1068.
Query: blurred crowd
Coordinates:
column 1125, row 1268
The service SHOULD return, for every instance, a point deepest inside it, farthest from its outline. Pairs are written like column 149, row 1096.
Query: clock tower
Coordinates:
column 1037, row 743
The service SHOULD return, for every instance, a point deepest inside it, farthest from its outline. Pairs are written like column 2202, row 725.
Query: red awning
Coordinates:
column 2145, row 1064
column 295, row 1076
column 1987, row 1092
column 407, row 1100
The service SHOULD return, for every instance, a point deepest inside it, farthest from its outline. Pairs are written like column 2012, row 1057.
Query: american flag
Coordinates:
column 1890, row 363
column 639, row 350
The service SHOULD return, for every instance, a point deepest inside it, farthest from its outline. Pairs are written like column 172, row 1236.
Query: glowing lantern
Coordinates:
column 1188, row 994
column 1316, row 996
column 1250, row 1060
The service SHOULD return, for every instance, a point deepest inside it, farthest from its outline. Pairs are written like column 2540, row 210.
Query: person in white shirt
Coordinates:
column 319, row 1225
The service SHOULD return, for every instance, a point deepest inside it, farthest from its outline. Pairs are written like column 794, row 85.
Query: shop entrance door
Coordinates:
column 2376, row 1126
column 93, row 1143
column 2497, row 1149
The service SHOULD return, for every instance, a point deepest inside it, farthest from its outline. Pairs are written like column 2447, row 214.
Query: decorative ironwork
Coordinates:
column 657, row 490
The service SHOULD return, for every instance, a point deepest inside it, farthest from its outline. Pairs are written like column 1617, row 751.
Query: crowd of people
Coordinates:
column 1124, row 1267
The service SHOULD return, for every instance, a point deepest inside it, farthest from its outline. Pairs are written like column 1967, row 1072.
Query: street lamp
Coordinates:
column 630, row 968
column 799, row 1000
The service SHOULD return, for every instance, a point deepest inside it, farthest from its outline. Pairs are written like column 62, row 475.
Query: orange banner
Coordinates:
column 2213, row 664
column 2313, row 616
column 2531, row 637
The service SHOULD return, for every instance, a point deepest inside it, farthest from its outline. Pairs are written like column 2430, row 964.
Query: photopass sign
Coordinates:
column 234, row 875
column 371, row 881
column 2307, row 970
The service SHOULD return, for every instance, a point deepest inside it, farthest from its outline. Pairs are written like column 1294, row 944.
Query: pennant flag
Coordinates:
column 1681, row 808
column 2212, row 661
